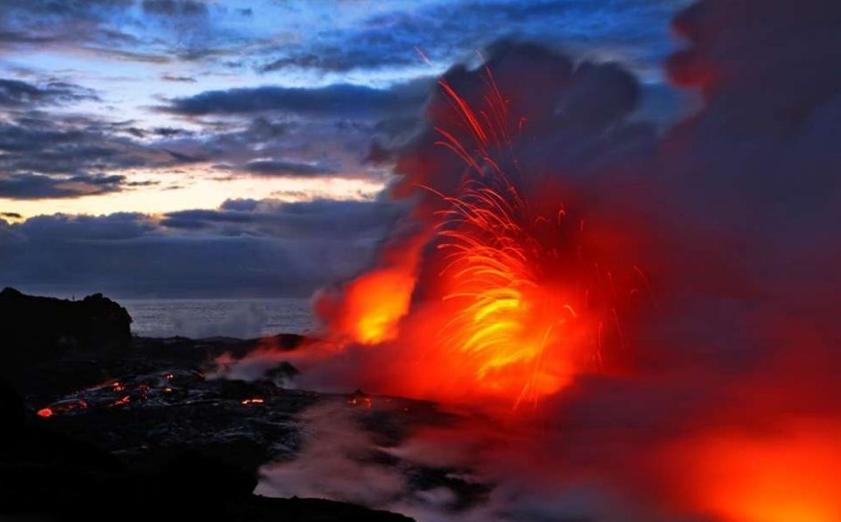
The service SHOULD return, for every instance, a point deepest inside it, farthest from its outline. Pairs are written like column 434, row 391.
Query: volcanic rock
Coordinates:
column 34, row 330
column 114, row 427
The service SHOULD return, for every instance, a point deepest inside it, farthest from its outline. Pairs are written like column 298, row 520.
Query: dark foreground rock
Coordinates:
column 146, row 429
column 40, row 330
column 47, row 475
column 113, row 427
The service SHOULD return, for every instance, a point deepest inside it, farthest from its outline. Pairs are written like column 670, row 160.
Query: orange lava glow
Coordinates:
column 250, row 402
column 507, row 327
column 45, row 413
column 511, row 305
column 778, row 477
column 361, row 402
column 378, row 300
column 122, row 401
column 513, row 326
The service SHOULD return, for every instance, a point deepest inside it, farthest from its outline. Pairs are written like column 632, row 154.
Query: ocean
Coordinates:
column 197, row 318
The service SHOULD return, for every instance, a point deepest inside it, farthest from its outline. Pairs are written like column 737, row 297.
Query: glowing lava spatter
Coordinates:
column 500, row 255
column 506, row 315
column 511, row 310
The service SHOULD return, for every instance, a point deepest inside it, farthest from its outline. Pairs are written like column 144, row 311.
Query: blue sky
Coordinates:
column 123, row 63
column 154, row 107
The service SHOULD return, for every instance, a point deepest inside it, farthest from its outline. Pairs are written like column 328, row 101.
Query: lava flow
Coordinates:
column 499, row 293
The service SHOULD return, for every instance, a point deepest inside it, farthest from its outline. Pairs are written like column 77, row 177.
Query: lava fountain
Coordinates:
column 498, row 290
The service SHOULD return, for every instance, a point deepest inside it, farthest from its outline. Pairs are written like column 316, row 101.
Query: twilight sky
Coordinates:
column 151, row 146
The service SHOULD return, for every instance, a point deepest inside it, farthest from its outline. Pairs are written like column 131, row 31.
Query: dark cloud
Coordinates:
column 244, row 248
column 326, row 130
column 163, row 30
column 41, row 22
column 61, row 227
column 176, row 78
column 169, row 132
column 455, row 30
column 16, row 93
column 279, row 145
column 51, row 156
column 194, row 30
column 240, row 204
column 272, row 167
column 338, row 60
column 37, row 186
column 175, row 7
column 92, row 10
column 318, row 219
column 340, row 100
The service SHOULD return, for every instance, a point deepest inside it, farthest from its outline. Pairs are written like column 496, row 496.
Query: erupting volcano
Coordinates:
column 497, row 290
column 591, row 276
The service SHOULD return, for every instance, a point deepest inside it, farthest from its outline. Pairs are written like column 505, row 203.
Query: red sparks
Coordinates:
column 122, row 401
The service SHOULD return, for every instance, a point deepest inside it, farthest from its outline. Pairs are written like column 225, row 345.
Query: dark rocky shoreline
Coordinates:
column 102, row 425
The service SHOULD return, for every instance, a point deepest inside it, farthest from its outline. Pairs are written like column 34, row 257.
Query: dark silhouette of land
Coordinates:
column 140, row 441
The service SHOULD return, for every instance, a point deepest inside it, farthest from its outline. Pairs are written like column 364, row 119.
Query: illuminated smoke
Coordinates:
column 500, row 289
column 713, row 392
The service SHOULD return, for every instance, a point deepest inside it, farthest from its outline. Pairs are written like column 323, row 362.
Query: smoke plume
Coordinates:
column 698, row 379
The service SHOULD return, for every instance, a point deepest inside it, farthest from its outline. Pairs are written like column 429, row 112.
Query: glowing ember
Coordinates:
column 67, row 406
column 122, row 401
column 251, row 402
column 365, row 402
column 361, row 400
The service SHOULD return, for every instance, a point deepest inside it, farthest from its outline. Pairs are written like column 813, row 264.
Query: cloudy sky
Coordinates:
column 150, row 146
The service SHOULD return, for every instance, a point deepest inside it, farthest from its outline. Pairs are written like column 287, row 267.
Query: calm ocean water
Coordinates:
column 211, row 317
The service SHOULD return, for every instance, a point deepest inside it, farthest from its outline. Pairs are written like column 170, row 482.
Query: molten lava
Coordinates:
column 380, row 299
column 511, row 303
column 510, row 308
column 770, row 477
column 122, row 401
